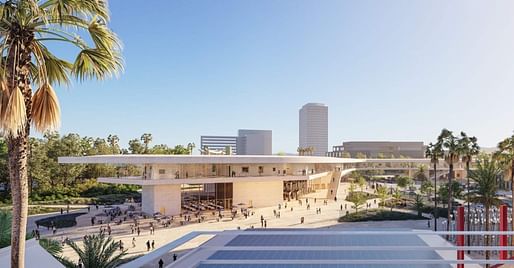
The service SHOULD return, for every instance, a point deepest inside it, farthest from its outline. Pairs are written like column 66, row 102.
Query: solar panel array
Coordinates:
column 305, row 249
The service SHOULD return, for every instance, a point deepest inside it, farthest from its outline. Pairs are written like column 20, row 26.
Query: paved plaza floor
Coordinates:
column 289, row 218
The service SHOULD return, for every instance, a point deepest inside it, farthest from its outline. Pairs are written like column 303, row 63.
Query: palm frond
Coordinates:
column 88, row 8
column 97, row 63
column 53, row 247
column 46, row 113
column 103, row 37
column 15, row 114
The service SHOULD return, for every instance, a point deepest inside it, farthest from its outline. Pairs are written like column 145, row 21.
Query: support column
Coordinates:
column 258, row 194
column 460, row 237
column 165, row 199
column 503, row 228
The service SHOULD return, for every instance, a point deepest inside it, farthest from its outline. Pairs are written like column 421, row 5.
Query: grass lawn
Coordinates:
column 364, row 195
column 379, row 215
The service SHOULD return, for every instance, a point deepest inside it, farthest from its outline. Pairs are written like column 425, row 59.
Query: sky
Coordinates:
column 388, row 70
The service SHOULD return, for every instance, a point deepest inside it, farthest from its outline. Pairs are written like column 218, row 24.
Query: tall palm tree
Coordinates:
column 505, row 156
column 26, row 27
column 468, row 148
column 99, row 251
column 486, row 175
column 450, row 145
column 434, row 152
column 190, row 147
column 146, row 138
column 114, row 141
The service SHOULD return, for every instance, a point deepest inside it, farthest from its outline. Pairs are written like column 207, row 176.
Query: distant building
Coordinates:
column 379, row 149
column 219, row 143
column 247, row 142
column 254, row 142
column 313, row 128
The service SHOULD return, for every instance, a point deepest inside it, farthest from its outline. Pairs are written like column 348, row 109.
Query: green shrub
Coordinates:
column 379, row 215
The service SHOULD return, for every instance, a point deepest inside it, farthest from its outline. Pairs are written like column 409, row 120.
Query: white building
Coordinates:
column 219, row 143
column 314, row 127
column 173, row 184
column 254, row 142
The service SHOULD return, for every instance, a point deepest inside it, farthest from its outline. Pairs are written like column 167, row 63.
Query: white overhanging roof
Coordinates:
column 204, row 159
column 35, row 256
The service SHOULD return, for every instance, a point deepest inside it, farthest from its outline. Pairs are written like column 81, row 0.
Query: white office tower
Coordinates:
column 254, row 142
column 314, row 127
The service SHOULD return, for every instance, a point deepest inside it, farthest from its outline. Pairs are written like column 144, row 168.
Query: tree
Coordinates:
column 397, row 198
column 27, row 26
column 450, row 145
column 426, row 188
column 505, row 157
column 403, row 181
column 361, row 182
column 113, row 141
column 486, row 175
column 468, row 148
column 135, row 147
column 352, row 187
column 146, row 139
column 99, row 251
column 418, row 204
column 346, row 155
column 360, row 155
column 444, row 191
column 434, row 152
column 420, row 173
column 190, row 147
column 5, row 228
column 383, row 194
column 358, row 199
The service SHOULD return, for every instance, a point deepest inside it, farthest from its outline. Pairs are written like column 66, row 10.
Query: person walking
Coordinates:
column 148, row 245
column 161, row 263
column 138, row 231
column 133, row 242
column 153, row 244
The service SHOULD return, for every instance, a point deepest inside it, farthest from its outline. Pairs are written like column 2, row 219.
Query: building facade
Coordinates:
column 313, row 128
column 247, row 142
column 379, row 149
column 254, row 142
column 219, row 143
column 173, row 184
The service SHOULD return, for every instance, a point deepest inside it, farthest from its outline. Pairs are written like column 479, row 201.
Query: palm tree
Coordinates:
column 505, row 157
column 434, row 152
column 190, row 147
column 468, row 148
column 113, row 141
column 397, row 197
column 146, row 138
column 420, row 173
column 450, row 145
column 486, row 175
column 26, row 27
column 99, row 251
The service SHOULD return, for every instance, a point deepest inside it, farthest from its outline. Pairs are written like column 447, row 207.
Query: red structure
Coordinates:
column 503, row 228
column 460, row 238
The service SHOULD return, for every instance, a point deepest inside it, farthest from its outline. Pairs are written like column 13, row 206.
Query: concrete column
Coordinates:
column 258, row 194
column 165, row 199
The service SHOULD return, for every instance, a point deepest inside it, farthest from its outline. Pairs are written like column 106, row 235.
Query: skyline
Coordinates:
column 386, row 71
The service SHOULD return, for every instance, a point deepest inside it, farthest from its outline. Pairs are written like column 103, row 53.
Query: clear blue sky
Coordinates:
column 388, row 70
